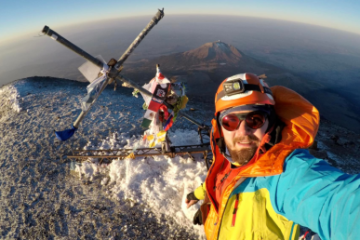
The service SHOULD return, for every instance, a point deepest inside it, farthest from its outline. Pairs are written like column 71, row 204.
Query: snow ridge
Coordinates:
column 160, row 182
column 9, row 96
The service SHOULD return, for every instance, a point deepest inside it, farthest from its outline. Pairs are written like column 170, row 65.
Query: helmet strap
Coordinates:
column 220, row 142
column 272, row 119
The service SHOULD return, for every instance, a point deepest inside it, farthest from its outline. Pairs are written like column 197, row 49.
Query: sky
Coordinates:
column 23, row 17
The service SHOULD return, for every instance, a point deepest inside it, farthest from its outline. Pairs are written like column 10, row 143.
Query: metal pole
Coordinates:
column 187, row 117
column 84, row 113
column 60, row 39
column 159, row 15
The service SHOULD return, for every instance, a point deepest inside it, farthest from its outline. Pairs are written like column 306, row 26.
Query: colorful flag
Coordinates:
column 169, row 122
column 151, row 112
column 154, row 139
column 161, row 136
column 151, row 139
column 160, row 88
column 93, row 90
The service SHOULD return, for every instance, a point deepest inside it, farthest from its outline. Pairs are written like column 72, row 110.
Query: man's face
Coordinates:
column 243, row 142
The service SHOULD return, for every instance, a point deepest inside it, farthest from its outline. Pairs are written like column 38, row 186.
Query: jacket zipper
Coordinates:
column 227, row 201
column 222, row 215
column 235, row 210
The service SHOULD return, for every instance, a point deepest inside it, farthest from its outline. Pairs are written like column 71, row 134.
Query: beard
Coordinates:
column 243, row 155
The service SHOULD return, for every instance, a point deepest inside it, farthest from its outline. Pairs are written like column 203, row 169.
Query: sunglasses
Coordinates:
column 253, row 120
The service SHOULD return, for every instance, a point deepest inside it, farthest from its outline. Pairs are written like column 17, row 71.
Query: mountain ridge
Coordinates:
column 208, row 56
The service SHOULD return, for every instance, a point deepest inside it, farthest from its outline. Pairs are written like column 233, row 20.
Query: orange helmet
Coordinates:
column 242, row 89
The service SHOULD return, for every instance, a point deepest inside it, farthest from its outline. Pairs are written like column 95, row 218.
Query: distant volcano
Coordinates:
column 202, row 69
column 208, row 56
column 218, row 52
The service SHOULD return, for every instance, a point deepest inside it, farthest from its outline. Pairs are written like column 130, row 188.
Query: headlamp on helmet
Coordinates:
column 233, row 87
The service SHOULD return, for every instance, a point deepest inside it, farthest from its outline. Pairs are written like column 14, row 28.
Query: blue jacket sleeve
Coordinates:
column 314, row 194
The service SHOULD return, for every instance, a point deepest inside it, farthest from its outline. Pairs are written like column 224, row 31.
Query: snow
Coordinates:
column 10, row 97
column 160, row 181
column 222, row 46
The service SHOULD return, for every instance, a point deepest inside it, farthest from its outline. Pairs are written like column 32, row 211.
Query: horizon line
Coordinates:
column 17, row 38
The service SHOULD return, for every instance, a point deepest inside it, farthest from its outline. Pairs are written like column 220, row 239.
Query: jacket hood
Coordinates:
column 302, row 119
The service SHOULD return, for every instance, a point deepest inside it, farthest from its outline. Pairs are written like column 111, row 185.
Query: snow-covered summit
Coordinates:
column 215, row 52
column 35, row 174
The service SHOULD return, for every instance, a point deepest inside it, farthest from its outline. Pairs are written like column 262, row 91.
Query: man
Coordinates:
column 263, row 182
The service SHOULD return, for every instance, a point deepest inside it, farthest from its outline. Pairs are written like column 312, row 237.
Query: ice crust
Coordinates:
column 160, row 182
column 9, row 96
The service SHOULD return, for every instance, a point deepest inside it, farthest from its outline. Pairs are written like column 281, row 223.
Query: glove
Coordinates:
column 191, row 199
column 191, row 196
column 197, row 220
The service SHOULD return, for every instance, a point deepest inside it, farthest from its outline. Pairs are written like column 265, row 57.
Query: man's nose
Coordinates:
column 243, row 129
